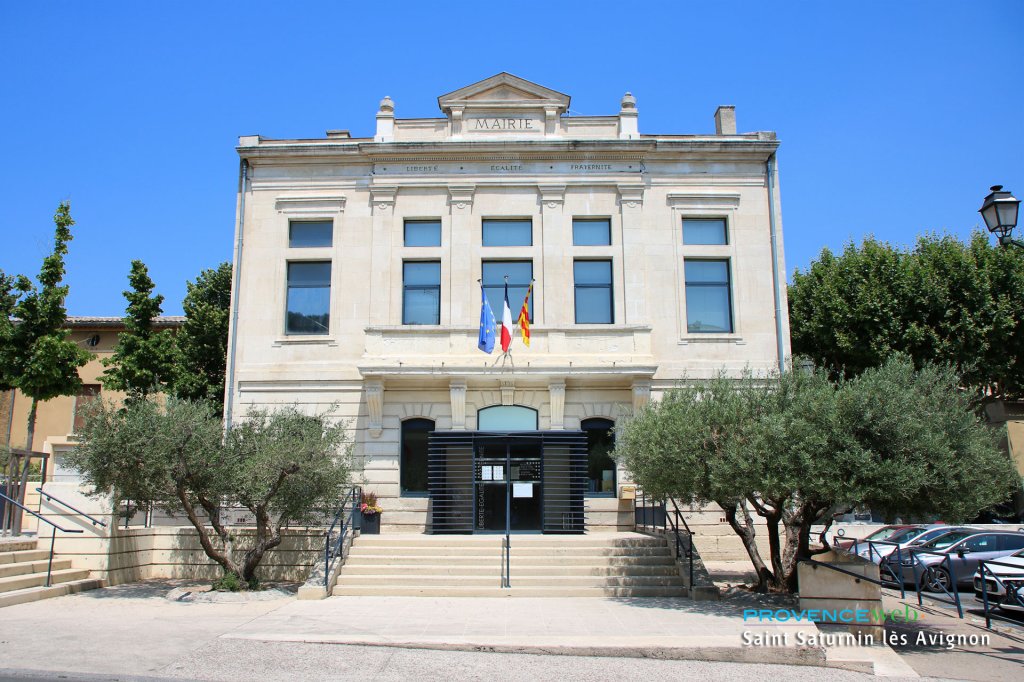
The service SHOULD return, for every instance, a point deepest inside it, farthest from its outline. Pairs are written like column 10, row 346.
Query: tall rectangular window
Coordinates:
column 704, row 231
column 508, row 232
column 307, row 234
column 87, row 395
column 423, row 233
column 520, row 274
column 591, row 231
column 309, row 298
column 594, row 302
column 708, row 297
column 421, row 292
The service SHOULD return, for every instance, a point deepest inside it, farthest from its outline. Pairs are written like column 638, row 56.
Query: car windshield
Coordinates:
column 882, row 533
column 948, row 539
column 929, row 535
column 904, row 535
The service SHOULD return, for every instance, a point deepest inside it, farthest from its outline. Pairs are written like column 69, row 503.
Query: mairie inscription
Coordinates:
column 503, row 124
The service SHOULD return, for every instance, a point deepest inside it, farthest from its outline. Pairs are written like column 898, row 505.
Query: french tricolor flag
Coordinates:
column 506, row 323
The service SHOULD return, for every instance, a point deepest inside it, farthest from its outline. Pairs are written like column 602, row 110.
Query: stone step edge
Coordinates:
column 31, row 594
column 57, row 576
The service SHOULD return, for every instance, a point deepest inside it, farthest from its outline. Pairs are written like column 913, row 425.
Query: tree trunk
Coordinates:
column 747, row 534
column 268, row 536
column 20, row 482
column 222, row 558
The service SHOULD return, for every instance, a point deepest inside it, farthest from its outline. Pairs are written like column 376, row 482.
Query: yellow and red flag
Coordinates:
column 524, row 316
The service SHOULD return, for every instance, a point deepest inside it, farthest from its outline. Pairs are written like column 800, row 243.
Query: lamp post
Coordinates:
column 1000, row 213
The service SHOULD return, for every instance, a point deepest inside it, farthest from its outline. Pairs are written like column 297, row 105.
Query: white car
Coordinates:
column 1008, row 595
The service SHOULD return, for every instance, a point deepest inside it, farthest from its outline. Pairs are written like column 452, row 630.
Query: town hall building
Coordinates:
column 362, row 265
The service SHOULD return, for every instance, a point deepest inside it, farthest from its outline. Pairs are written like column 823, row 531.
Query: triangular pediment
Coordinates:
column 501, row 91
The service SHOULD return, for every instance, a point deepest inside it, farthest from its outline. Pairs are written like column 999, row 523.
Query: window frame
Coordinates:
column 505, row 219
column 421, row 287
column 405, row 232
column 311, row 221
column 288, row 287
column 610, row 430
column 576, row 286
column 514, row 306
column 728, row 284
column 727, row 232
column 592, row 219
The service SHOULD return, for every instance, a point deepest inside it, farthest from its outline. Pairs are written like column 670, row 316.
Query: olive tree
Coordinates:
column 798, row 447
column 283, row 466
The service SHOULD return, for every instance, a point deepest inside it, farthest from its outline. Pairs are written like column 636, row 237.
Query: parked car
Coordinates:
column 914, row 537
column 882, row 533
column 876, row 550
column 1008, row 592
column 963, row 548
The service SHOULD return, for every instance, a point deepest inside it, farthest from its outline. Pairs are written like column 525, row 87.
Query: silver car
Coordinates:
column 958, row 551
column 907, row 538
column 1008, row 591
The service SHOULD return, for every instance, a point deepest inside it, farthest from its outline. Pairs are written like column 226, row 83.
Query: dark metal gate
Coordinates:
column 459, row 466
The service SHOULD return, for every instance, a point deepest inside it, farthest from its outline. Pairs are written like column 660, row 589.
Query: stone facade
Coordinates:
column 505, row 148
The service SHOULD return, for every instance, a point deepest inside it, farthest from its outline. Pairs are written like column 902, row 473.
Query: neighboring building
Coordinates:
column 57, row 419
column 655, row 258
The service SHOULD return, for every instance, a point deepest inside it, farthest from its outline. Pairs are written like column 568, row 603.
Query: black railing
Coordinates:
column 1012, row 594
column 654, row 516
column 884, row 566
column 53, row 536
column 343, row 526
column 51, row 498
column 932, row 573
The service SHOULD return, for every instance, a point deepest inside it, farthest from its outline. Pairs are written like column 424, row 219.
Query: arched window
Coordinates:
column 506, row 418
column 600, row 465
column 414, row 455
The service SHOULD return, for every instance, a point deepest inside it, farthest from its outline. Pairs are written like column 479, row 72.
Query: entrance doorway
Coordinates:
column 509, row 487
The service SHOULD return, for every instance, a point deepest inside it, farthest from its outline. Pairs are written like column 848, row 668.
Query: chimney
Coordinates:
column 629, row 118
column 385, row 121
column 725, row 120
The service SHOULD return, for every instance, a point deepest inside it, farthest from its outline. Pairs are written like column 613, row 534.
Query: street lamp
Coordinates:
column 1000, row 213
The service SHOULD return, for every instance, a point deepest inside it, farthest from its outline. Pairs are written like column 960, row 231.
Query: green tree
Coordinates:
column 799, row 447
column 37, row 357
column 203, row 339
column 282, row 466
column 943, row 301
column 144, row 359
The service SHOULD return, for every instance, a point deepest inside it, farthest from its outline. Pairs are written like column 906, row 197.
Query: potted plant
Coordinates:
column 371, row 512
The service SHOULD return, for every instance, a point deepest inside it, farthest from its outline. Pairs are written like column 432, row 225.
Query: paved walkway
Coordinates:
column 134, row 630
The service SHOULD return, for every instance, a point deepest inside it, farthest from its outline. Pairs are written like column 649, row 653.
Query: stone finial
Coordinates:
column 387, row 105
column 725, row 120
column 628, row 102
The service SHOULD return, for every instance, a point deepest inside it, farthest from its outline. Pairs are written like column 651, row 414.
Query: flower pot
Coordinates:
column 370, row 524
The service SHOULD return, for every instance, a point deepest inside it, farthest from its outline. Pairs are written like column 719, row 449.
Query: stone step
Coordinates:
column 32, row 594
column 21, row 582
column 463, row 542
column 19, row 556
column 359, row 559
column 553, row 581
column 517, row 550
column 464, row 591
column 25, row 567
column 517, row 568
column 8, row 546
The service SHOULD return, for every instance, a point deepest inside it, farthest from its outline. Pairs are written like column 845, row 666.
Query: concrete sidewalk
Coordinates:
column 135, row 630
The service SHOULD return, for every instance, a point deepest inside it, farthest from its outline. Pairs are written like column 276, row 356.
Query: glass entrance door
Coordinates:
column 509, row 488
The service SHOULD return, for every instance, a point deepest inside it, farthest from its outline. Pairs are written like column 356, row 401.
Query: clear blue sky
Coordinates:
column 894, row 117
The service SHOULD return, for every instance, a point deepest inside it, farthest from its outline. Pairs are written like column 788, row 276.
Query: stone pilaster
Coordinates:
column 556, row 395
column 382, row 201
column 508, row 392
column 634, row 266
column 463, row 266
column 555, row 268
column 374, row 407
column 457, row 394
column 641, row 394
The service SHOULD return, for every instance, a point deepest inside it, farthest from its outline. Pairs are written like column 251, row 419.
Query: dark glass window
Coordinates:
column 600, row 465
column 1009, row 542
column 593, row 280
column 704, row 231
column 414, row 455
column 423, row 233
column 980, row 543
column 309, row 298
column 506, row 232
column 708, row 299
column 520, row 274
column 591, row 231
column 421, row 292
column 304, row 234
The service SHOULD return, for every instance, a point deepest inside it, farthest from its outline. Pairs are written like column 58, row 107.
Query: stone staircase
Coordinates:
column 23, row 573
column 601, row 565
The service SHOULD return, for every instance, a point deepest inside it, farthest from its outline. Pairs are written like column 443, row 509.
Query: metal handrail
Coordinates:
column 53, row 535
column 883, row 565
column 983, row 567
column 506, row 561
column 347, row 521
column 954, row 596
column 52, row 498
column 676, row 519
